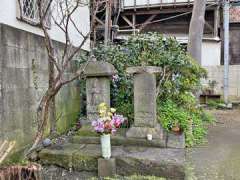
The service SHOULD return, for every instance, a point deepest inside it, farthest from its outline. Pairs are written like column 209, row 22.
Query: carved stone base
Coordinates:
column 142, row 132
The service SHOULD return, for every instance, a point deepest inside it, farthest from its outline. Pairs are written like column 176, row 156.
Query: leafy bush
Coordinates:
column 171, row 115
column 179, row 80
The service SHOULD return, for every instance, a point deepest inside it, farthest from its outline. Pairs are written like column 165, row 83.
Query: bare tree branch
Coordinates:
column 48, row 40
column 47, row 9
column 63, row 20
column 77, row 49
column 78, row 74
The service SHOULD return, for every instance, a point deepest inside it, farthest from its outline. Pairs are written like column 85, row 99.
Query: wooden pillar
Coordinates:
column 216, row 21
column 134, row 23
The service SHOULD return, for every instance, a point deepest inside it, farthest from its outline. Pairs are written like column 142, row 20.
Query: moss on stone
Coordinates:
column 82, row 162
column 86, row 133
column 62, row 158
column 86, row 130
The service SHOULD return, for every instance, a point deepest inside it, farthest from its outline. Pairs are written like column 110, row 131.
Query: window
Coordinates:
column 29, row 12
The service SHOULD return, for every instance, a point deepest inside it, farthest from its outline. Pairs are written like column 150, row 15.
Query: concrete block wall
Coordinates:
column 19, row 97
column 216, row 73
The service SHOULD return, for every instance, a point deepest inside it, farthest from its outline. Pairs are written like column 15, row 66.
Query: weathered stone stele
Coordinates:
column 145, row 103
column 98, row 75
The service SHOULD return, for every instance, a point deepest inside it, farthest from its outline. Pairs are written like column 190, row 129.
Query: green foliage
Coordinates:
column 179, row 80
column 215, row 103
column 171, row 115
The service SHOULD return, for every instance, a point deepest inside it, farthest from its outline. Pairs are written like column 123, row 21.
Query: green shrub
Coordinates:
column 171, row 115
column 179, row 80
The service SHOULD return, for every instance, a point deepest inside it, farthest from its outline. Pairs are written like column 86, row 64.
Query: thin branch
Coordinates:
column 58, row 24
column 47, row 9
column 68, row 18
column 47, row 38
column 75, row 26
column 78, row 74
column 76, row 50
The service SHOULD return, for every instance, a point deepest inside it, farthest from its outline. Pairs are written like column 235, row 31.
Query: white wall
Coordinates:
column 211, row 53
column 211, row 49
column 8, row 14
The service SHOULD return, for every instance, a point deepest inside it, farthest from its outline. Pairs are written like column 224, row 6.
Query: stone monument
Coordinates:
column 98, row 76
column 145, row 118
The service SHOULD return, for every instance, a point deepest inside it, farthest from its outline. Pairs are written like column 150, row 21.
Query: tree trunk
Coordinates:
column 52, row 117
column 42, row 117
column 196, row 30
column 52, row 107
column 194, row 48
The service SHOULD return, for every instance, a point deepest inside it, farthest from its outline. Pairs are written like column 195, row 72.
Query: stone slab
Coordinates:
column 99, row 68
column 61, row 156
column 78, row 157
column 98, row 91
column 175, row 140
column 130, row 160
column 142, row 132
column 106, row 167
column 144, row 69
column 121, row 141
column 145, row 100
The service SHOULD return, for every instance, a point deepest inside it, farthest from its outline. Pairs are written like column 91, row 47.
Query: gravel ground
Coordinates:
column 219, row 158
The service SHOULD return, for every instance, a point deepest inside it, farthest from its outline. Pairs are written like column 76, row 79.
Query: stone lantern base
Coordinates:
column 142, row 132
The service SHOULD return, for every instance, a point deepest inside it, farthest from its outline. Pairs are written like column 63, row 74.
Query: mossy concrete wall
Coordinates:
column 68, row 106
column 19, row 96
column 216, row 73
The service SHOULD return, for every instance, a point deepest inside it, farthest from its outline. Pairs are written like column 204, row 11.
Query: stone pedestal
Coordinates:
column 98, row 76
column 106, row 167
column 175, row 140
column 145, row 120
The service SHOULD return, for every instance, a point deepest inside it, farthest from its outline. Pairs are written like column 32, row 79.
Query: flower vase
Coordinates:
column 106, row 146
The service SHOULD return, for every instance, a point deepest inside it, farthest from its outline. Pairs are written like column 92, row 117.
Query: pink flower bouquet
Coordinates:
column 108, row 121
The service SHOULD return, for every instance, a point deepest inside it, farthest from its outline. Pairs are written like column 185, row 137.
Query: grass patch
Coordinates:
column 15, row 158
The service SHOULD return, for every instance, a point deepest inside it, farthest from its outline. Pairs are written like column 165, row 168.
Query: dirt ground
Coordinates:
column 219, row 158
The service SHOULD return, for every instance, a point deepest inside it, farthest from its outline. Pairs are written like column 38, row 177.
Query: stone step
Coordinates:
column 130, row 160
column 119, row 140
column 172, row 141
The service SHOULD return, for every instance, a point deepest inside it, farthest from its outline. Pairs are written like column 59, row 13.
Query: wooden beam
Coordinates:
column 161, row 11
column 128, row 21
column 156, row 11
column 209, row 26
column 99, row 21
column 147, row 21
